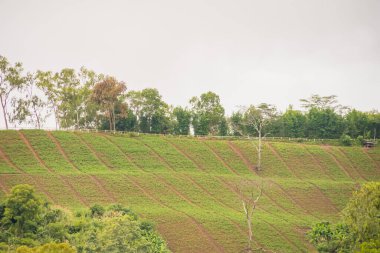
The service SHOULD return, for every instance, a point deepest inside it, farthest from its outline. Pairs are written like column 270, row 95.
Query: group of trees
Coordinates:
column 30, row 225
column 359, row 229
column 85, row 99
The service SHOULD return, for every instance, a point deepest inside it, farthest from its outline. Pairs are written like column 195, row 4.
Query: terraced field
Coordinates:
column 190, row 187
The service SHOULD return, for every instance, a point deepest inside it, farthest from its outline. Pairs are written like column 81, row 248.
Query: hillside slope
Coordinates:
column 189, row 187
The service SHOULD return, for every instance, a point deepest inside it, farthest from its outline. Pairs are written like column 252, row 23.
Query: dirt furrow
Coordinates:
column 126, row 156
column 178, row 193
column 9, row 162
column 340, row 165
column 292, row 199
column 260, row 208
column 188, row 178
column 327, row 200
column 182, row 152
column 92, row 177
column 322, row 168
column 3, row 188
column 43, row 164
column 158, row 156
column 232, row 170
column 237, row 151
column 199, row 226
column 377, row 163
column 95, row 153
column 351, row 164
column 279, row 157
column 62, row 151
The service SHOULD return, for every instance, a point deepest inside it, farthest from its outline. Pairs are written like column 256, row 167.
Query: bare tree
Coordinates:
column 254, row 120
column 249, row 206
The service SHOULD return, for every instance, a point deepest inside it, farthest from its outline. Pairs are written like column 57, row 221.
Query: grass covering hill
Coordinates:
column 188, row 186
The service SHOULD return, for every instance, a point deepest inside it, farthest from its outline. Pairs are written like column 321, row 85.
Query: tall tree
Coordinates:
column 320, row 102
column 151, row 111
column 357, row 123
column 294, row 123
column 236, row 123
column 29, row 108
column 11, row 79
column 324, row 123
column 106, row 94
column 208, row 114
column 47, row 82
column 255, row 120
column 182, row 120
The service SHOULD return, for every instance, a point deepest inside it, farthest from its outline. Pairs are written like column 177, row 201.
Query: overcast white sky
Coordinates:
column 247, row 51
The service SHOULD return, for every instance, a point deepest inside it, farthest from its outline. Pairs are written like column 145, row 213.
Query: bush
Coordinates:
column 360, row 140
column 97, row 211
column 48, row 248
column 346, row 140
column 360, row 227
column 373, row 246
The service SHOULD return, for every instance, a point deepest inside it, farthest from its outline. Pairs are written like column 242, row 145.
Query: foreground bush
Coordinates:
column 30, row 225
column 48, row 248
column 359, row 230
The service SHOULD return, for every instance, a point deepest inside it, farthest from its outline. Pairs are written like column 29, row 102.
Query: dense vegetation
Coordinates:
column 187, row 186
column 25, row 219
column 359, row 230
column 85, row 99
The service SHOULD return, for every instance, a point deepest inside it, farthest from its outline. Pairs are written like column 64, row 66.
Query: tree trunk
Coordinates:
column 37, row 117
column 77, row 120
column 3, row 105
column 259, row 152
column 110, row 118
column 113, row 115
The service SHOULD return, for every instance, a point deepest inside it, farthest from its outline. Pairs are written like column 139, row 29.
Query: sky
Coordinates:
column 246, row 51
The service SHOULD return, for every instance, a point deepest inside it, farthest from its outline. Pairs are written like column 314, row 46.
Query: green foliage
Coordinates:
column 97, row 210
column 11, row 79
column 48, row 248
column 360, row 227
column 22, row 211
column 182, row 120
column 373, row 246
column 192, row 176
column 294, row 123
column 329, row 238
column 151, row 111
column 27, row 221
column 360, row 140
column 208, row 114
column 345, row 140
column 362, row 213
column 324, row 123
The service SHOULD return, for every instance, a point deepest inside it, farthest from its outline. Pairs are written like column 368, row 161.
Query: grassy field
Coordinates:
column 190, row 187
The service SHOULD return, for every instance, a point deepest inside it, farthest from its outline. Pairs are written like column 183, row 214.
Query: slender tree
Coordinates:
column 29, row 108
column 249, row 206
column 11, row 79
column 255, row 120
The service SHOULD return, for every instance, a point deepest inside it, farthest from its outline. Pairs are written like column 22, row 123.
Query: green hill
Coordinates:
column 190, row 187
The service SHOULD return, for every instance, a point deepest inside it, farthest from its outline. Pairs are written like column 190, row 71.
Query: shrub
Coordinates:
column 97, row 211
column 346, row 140
column 360, row 140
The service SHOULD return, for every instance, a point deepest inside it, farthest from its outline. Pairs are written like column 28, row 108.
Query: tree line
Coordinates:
column 79, row 99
